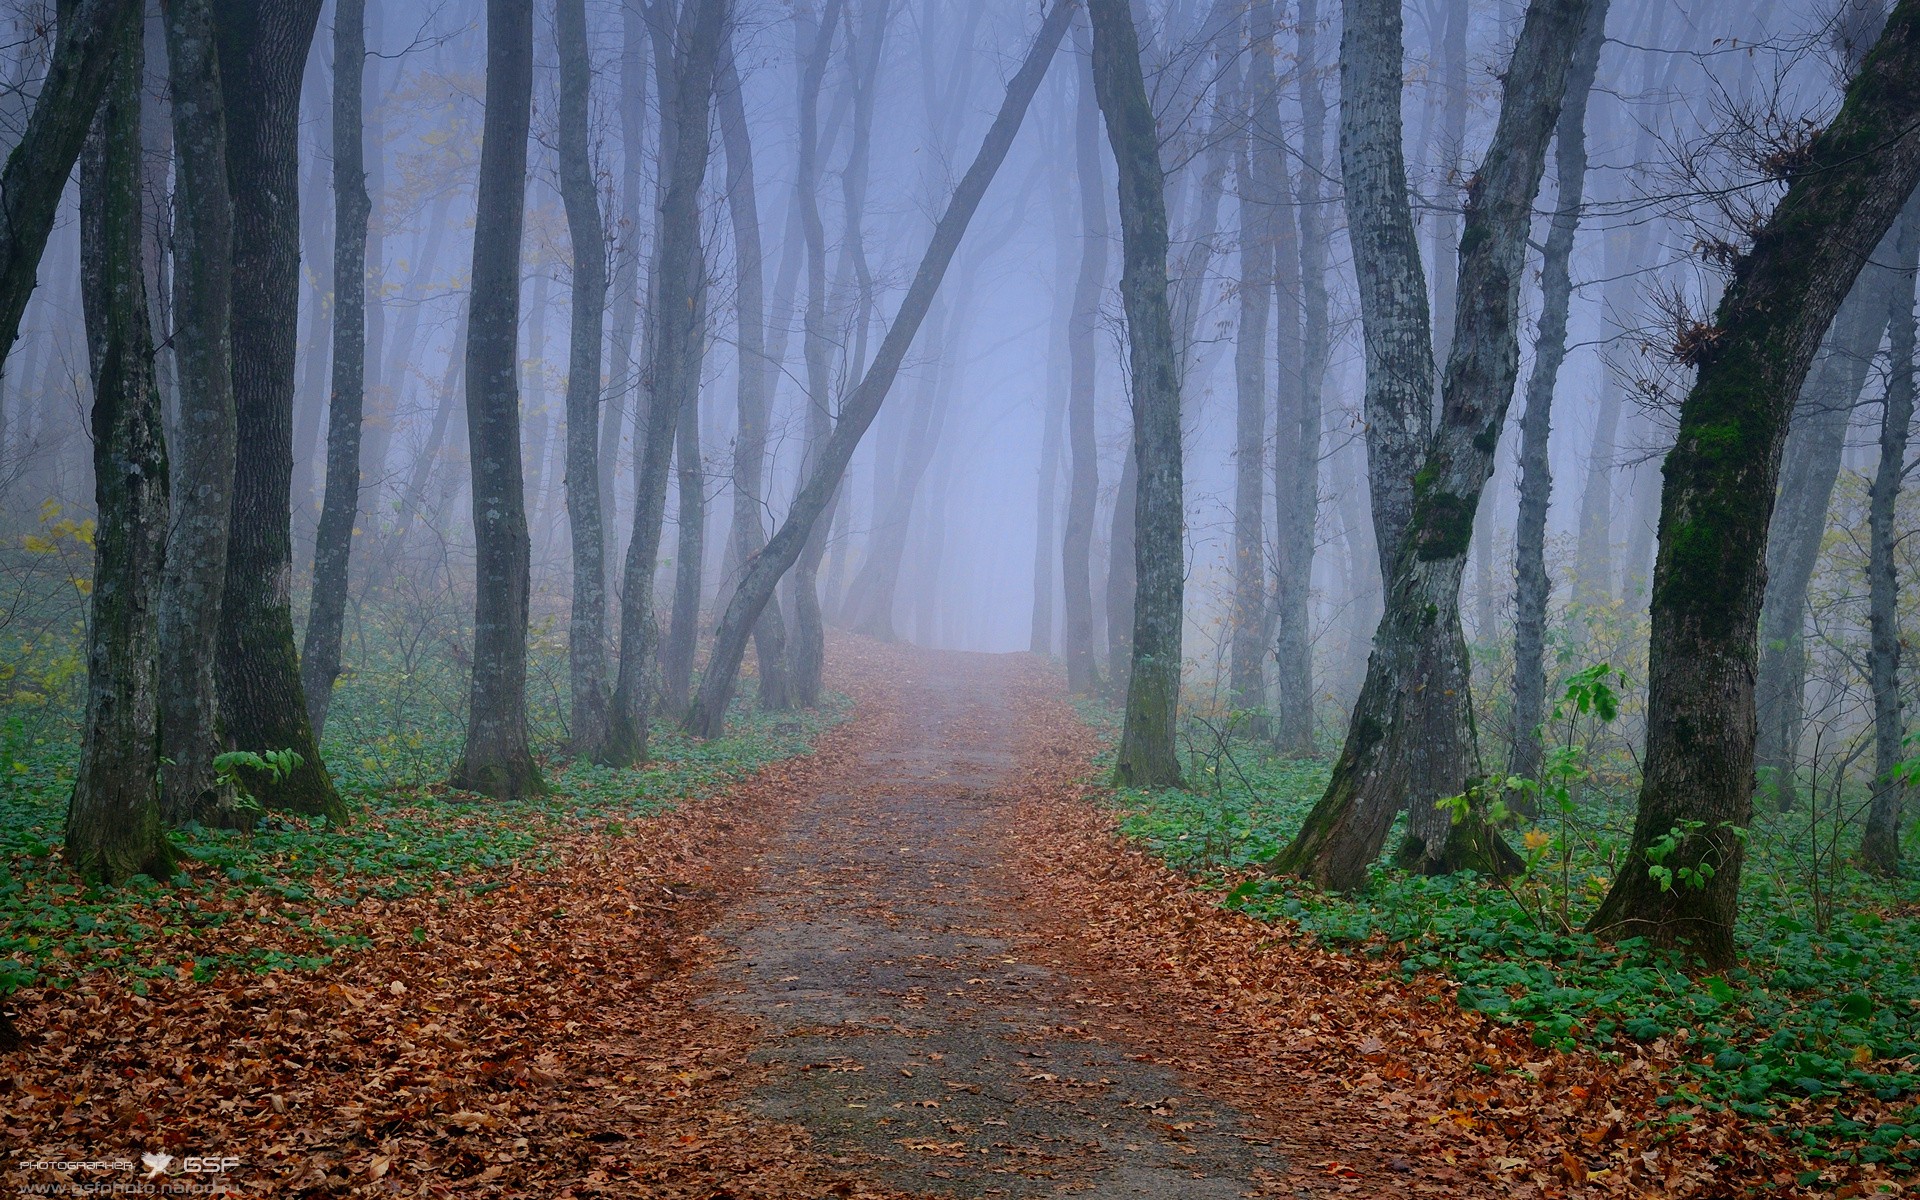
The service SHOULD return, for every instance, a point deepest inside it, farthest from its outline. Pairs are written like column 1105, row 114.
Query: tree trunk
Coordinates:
column 683, row 620
column 90, row 36
column 707, row 716
column 673, row 368
column 1252, row 340
column 1122, row 578
column 1880, row 841
column 1148, row 756
column 340, row 505
column 1696, row 797
column 622, row 368
column 113, row 816
column 1531, row 585
column 757, row 371
column 587, row 623
column 202, row 462
column 1298, row 447
column 1411, row 740
column 1083, row 480
column 497, row 760
column 263, row 47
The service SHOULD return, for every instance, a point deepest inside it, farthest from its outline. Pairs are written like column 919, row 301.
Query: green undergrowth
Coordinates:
column 409, row 835
column 1826, row 1003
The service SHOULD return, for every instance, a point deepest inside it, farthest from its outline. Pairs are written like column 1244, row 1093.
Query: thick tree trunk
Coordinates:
column 1298, row 448
column 202, row 462
column 497, row 760
column 113, row 816
column 1696, row 798
column 1411, row 740
column 707, row 717
column 340, row 505
column 587, row 623
column 1880, row 841
column 757, row 371
column 89, row 38
column 1083, row 472
column 263, row 47
column 1148, row 755
column 1531, row 585
column 673, row 367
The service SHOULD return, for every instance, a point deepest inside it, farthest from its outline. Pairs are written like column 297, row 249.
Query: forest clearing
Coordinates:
column 959, row 598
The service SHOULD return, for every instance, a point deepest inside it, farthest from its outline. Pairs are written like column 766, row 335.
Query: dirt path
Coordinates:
column 887, row 955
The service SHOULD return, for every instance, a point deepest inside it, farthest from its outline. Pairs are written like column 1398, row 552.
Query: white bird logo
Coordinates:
column 157, row 1164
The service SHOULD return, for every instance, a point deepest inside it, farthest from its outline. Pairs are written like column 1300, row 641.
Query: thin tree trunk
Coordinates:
column 91, row 34
column 622, row 367
column 1532, row 588
column 674, row 357
column 1147, row 755
column 202, row 463
column 263, row 48
column 1122, row 578
column 1297, row 507
column 683, row 619
column 1083, row 483
column 497, row 760
column 340, row 505
column 1252, row 340
column 587, row 623
column 1880, row 841
column 1411, row 740
column 757, row 371
column 113, row 828
column 1696, row 797
column 707, row 716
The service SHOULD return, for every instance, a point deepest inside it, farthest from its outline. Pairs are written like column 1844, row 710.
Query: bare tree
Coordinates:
column 202, row 460
column 497, row 759
column 587, row 628
column 114, row 830
column 340, row 502
column 1696, row 797
column 707, row 716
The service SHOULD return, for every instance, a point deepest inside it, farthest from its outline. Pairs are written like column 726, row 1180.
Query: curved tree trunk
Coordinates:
column 707, row 716
column 756, row 375
column 1697, row 788
column 1411, row 739
column 340, row 505
column 113, row 816
column 263, row 48
column 202, row 463
column 1532, row 587
column 497, row 759
column 1147, row 755
column 587, row 624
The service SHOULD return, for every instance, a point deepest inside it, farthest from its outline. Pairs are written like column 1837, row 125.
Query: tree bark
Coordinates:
column 202, row 463
column 1297, row 450
column 263, row 47
column 683, row 619
column 757, row 371
column 622, row 368
column 340, row 503
column 1880, row 841
column 1252, row 340
column 90, row 37
column 1411, row 739
column 674, row 357
column 587, row 623
column 707, row 716
column 1147, row 756
column 497, row 760
column 1083, row 482
column 113, row 816
column 1531, row 585
column 1697, row 788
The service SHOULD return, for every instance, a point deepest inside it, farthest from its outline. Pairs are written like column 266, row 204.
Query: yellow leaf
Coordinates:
column 1536, row 839
column 83, row 586
column 37, row 544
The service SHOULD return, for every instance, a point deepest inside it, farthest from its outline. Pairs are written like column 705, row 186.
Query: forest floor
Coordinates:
column 917, row 962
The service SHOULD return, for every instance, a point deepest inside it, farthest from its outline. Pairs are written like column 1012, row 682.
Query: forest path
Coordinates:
column 924, row 1001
